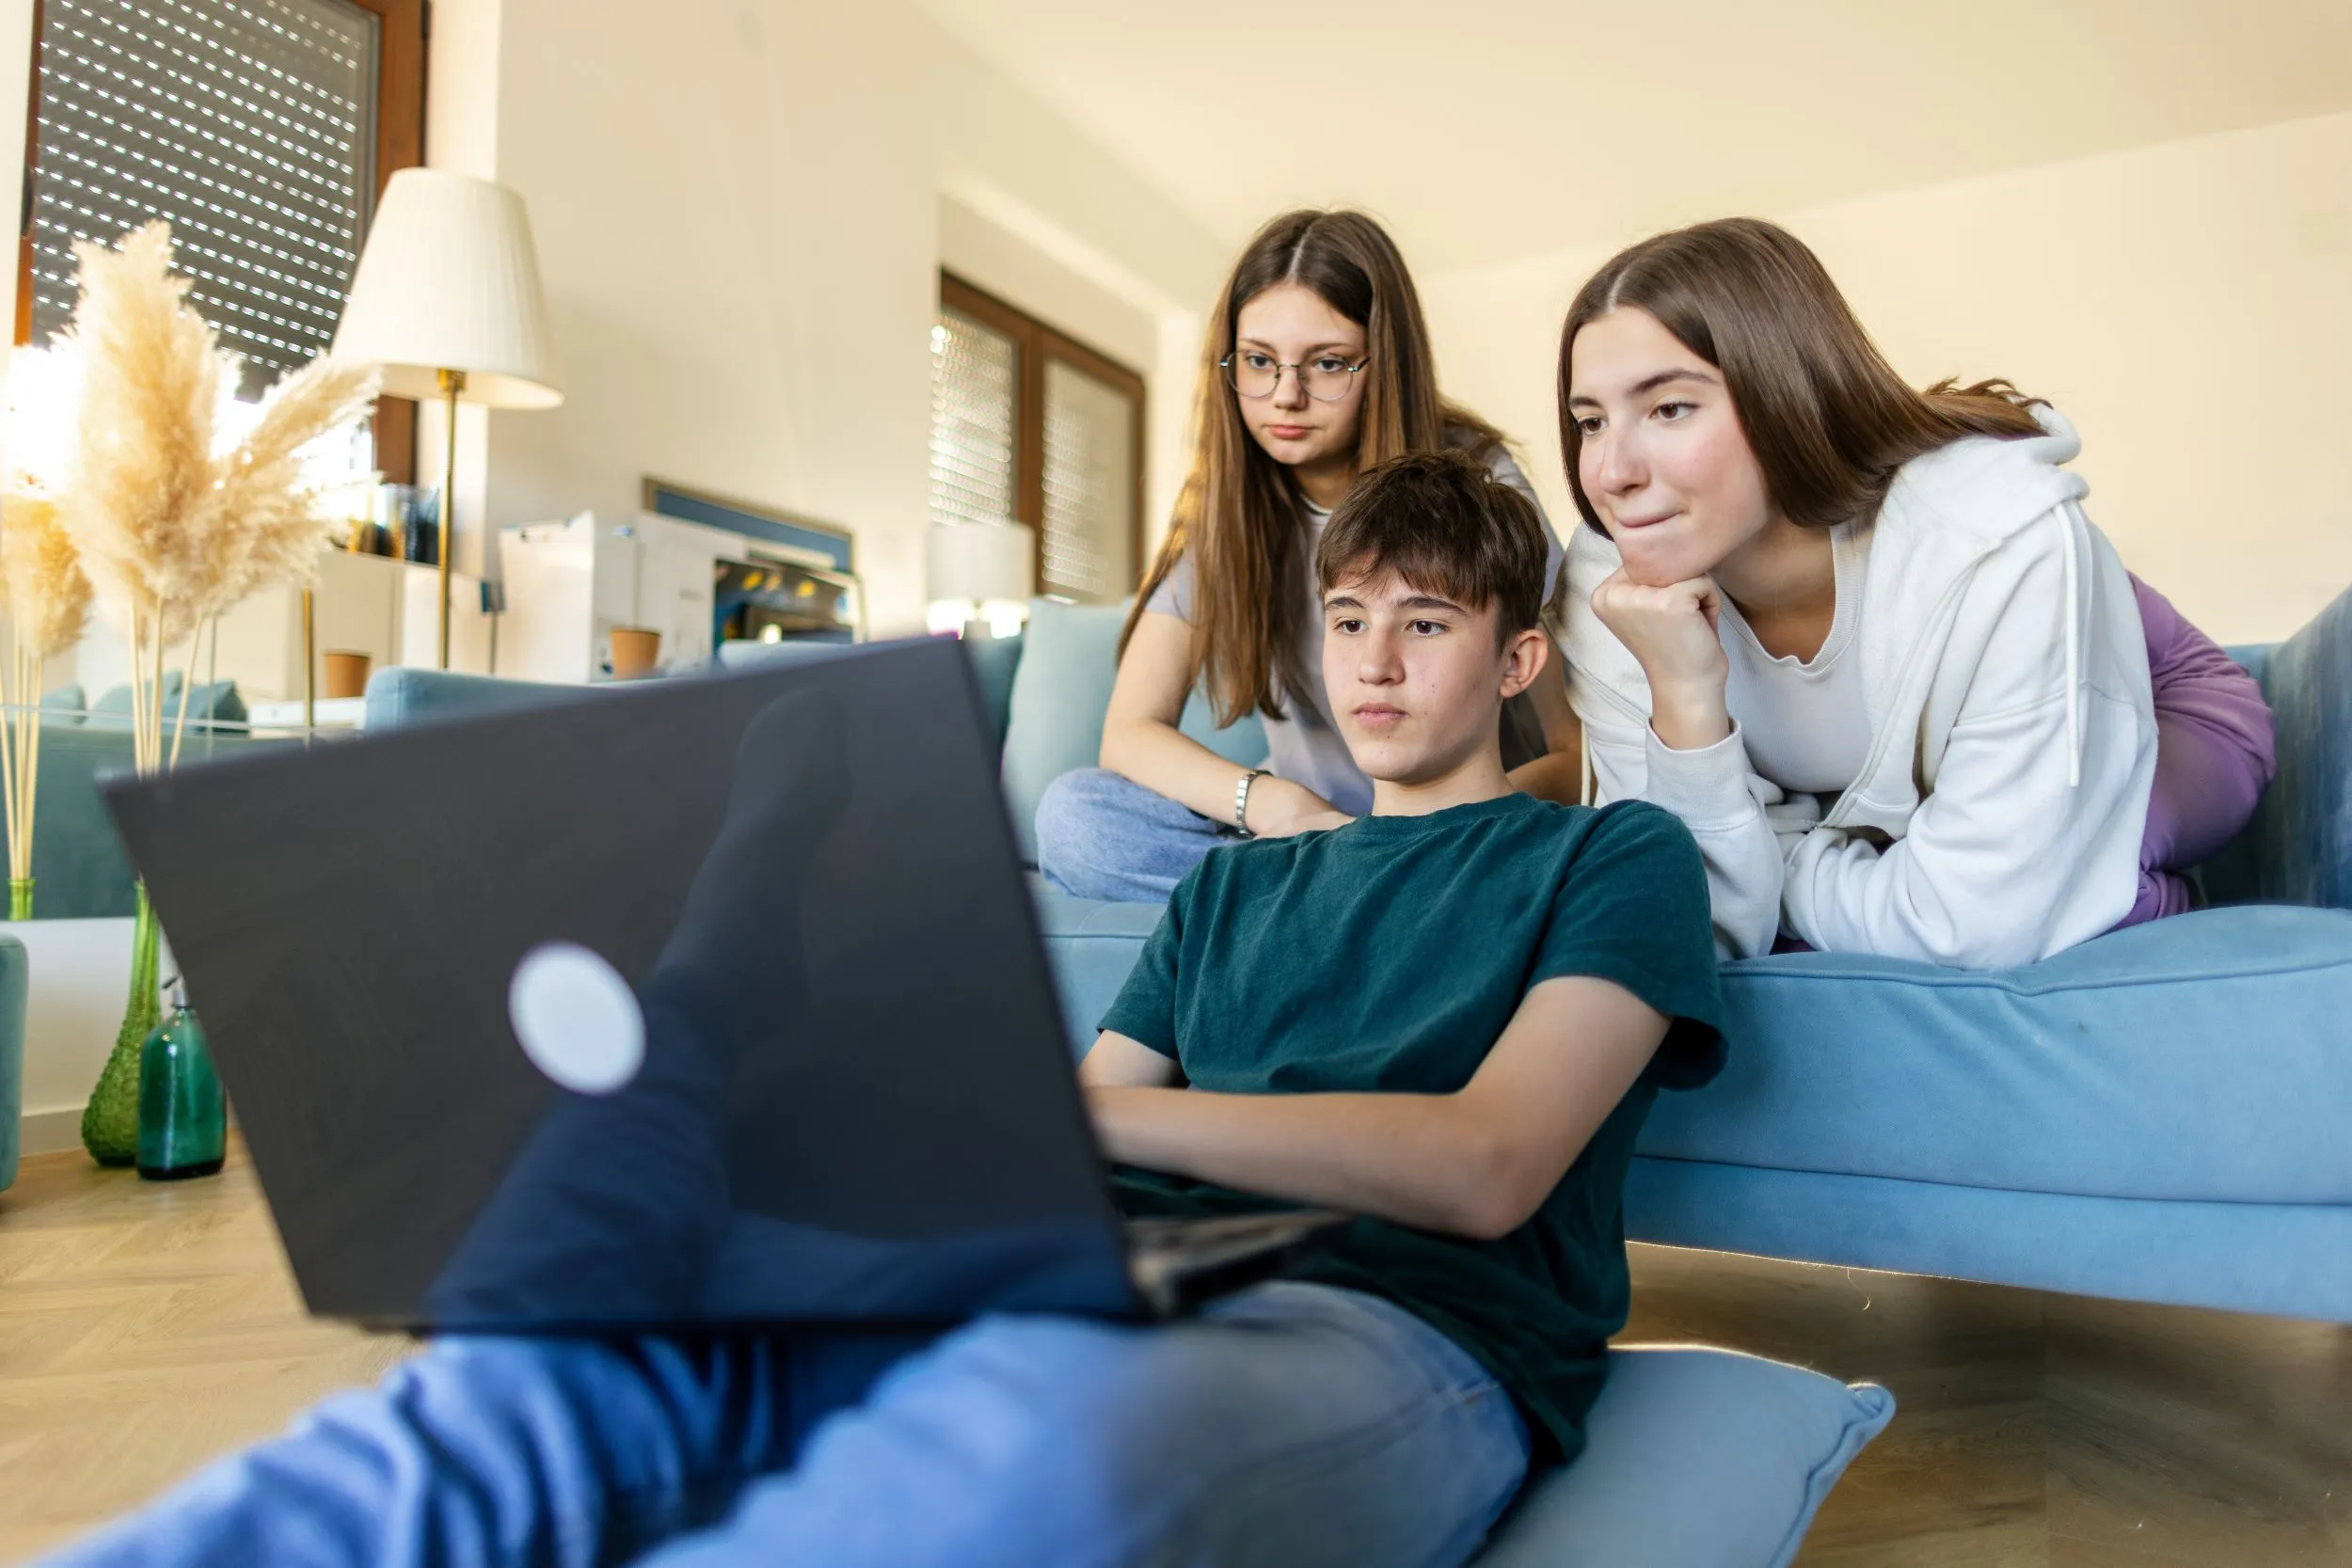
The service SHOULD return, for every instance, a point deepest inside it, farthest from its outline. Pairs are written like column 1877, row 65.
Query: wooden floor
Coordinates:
column 146, row 1327
column 2036, row 1430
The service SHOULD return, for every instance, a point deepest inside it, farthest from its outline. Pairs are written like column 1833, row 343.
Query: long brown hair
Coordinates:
column 1240, row 515
column 1827, row 417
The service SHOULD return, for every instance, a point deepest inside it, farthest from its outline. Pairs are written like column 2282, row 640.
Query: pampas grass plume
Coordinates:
column 48, row 597
column 263, row 514
column 169, row 528
column 151, row 380
column 171, row 532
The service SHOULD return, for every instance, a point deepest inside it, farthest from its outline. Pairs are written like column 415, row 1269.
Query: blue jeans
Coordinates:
column 1103, row 837
column 1291, row 1425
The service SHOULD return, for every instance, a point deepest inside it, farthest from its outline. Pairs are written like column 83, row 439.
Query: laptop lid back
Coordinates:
column 715, row 1000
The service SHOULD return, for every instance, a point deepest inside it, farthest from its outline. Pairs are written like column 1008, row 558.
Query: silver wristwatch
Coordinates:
column 1241, row 801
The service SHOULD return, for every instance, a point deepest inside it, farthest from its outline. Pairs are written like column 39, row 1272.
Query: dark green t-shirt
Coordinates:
column 1387, row 956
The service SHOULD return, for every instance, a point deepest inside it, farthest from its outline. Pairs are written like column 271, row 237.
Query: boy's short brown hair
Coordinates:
column 1446, row 525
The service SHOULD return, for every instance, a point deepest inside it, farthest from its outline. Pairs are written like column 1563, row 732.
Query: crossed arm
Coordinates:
column 1475, row 1162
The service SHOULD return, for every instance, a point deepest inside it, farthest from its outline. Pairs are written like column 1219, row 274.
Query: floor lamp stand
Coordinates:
column 453, row 384
column 310, row 667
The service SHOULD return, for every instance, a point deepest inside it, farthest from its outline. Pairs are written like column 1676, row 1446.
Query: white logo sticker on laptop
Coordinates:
column 575, row 1017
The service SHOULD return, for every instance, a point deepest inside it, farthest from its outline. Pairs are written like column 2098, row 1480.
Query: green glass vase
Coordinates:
column 184, row 1120
column 110, row 1122
column 20, row 899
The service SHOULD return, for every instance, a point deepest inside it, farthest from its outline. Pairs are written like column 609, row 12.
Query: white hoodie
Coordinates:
column 1999, row 817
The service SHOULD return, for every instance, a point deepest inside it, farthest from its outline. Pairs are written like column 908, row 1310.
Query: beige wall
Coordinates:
column 740, row 216
column 2190, row 305
column 740, row 221
column 982, row 252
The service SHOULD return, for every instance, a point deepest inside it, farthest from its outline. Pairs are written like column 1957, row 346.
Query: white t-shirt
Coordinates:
column 1304, row 745
column 1805, row 725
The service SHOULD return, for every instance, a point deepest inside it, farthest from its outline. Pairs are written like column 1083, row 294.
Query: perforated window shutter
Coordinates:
column 1090, row 488
column 248, row 124
column 975, row 393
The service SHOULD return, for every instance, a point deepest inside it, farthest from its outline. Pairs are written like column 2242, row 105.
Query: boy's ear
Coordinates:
column 1524, row 654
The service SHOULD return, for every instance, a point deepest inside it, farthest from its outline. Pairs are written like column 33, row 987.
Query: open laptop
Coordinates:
column 704, row 1002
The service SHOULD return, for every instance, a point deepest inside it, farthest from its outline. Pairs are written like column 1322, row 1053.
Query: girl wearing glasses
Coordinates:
column 1862, row 639
column 1317, row 367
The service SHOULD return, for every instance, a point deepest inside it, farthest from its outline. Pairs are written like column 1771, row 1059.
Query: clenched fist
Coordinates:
column 1674, row 632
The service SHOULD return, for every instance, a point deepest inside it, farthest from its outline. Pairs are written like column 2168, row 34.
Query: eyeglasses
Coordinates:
column 1326, row 378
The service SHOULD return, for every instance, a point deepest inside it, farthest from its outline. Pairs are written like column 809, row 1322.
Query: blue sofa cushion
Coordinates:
column 2101, row 1073
column 1694, row 1459
column 1090, row 945
column 1059, row 693
column 997, row 661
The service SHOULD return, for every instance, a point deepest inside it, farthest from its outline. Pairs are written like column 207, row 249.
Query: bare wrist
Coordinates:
column 1689, row 719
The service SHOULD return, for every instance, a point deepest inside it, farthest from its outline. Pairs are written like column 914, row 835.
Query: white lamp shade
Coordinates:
column 976, row 563
column 448, row 281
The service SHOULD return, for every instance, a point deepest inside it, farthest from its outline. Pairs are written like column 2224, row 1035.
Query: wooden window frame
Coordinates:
column 400, row 67
column 1035, row 344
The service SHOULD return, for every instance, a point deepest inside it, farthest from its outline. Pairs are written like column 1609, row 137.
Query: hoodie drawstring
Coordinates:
column 2065, row 516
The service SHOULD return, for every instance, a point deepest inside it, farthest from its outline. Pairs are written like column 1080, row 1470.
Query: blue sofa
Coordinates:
column 2161, row 1114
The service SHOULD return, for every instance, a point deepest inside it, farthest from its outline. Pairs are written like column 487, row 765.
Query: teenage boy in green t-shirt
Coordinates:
column 1448, row 1016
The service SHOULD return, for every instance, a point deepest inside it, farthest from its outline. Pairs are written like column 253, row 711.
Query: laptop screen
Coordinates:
column 709, row 1000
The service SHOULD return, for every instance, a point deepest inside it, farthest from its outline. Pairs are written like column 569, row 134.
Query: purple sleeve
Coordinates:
column 2216, row 744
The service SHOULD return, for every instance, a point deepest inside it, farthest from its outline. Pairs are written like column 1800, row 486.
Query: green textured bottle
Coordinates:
column 110, row 1122
column 184, row 1127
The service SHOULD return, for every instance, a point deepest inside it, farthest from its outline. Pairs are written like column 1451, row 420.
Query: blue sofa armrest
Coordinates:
column 2298, row 847
column 993, row 661
column 400, row 698
column 12, row 969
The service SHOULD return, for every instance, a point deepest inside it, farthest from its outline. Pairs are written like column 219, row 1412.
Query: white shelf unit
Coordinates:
column 370, row 604
column 568, row 585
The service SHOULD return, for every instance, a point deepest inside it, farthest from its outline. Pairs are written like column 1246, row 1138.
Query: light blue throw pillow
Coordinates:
column 112, row 710
column 1693, row 1458
column 64, row 705
column 1069, row 657
column 220, row 703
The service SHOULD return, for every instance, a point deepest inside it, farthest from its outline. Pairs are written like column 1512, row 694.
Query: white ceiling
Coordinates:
column 1486, row 129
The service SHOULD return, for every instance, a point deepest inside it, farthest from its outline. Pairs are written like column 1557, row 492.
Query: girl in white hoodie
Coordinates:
column 1861, row 638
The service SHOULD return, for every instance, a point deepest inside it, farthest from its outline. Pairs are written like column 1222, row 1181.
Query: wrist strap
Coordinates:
column 1241, row 801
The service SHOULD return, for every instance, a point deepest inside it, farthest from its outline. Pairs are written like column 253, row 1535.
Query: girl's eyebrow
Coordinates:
column 1312, row 348
column 1650, row 383
column 1680, row 372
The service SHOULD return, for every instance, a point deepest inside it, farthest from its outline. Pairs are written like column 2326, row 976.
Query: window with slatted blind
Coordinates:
column 976, row 402
column 260, row 130
column 1029, row 425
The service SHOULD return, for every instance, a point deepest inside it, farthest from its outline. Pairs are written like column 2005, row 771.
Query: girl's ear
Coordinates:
column 1524, row 655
